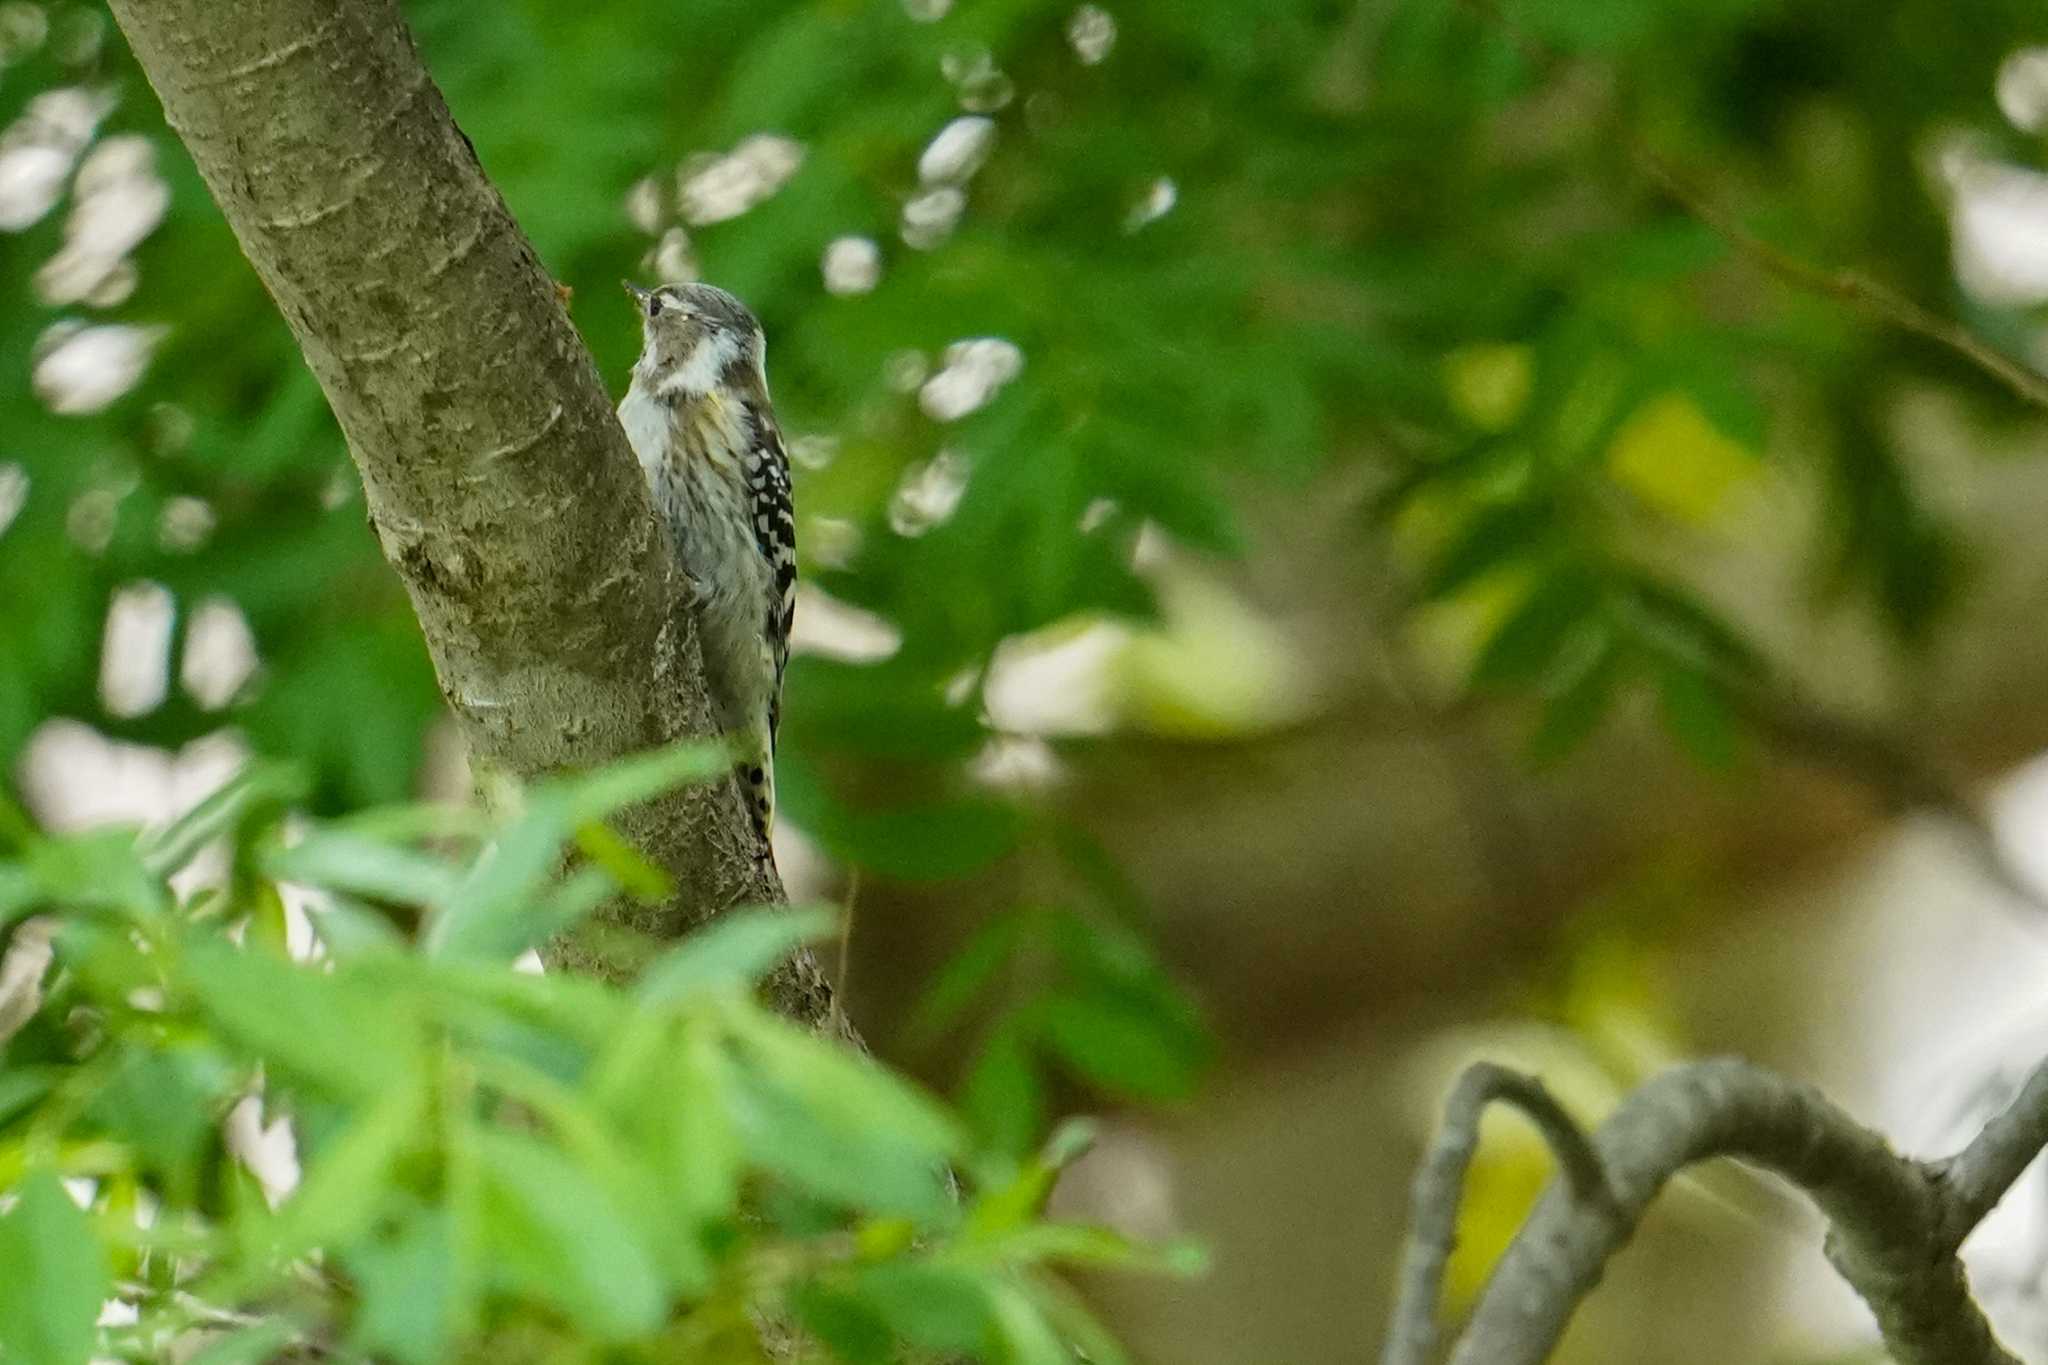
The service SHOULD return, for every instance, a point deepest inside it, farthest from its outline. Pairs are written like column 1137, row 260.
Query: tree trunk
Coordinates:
column 497, row 479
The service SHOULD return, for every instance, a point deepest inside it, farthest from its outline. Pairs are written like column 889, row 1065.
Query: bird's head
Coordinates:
column 696, row 338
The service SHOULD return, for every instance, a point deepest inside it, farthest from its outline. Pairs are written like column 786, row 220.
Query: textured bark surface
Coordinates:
column 1894, row 1223
column 497, row 479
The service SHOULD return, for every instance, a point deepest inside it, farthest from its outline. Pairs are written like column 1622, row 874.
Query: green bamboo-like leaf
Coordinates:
column 554, row 1233
column 603, row 792
column 821, row 1145
column 1530, row 639
column 624, row 864
column 1698, row 716
column 263, row 786
column 1127, row 1050
column 346, row 1183
column 1576, row 702
column 843, row 1083
column 1003, row 1208
column 255, row 1344
column 968, row 974
column 359, row 865
column 53, row 1275
column 100, row 869
column 1023, row 1334
column 407, row 1287
column 324, row 1029
column 1003, row 1096
column 1084, row 1245
column 731, row 953
column 1495, row 536
column 943, row 1307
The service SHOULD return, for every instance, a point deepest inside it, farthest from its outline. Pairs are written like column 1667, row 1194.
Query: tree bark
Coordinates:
column 497, row 479
column 1895, row 1223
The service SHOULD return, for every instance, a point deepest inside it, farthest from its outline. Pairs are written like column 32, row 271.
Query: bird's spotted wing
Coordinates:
column 767, row 466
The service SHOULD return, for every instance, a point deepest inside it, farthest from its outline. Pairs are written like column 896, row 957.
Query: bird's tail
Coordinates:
column 755, row 772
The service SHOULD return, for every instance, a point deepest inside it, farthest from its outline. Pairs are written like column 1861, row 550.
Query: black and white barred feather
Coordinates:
column 699, row 417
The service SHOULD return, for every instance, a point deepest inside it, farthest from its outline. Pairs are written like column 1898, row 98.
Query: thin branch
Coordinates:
column 1894, row 1223
column 1853, row 287
column 1440, row 1187
column 1979, row 1176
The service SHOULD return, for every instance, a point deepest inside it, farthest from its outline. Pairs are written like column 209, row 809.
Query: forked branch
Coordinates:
column 1894, row 1223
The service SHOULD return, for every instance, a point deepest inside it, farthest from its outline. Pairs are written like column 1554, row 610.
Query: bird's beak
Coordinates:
column 638, row 294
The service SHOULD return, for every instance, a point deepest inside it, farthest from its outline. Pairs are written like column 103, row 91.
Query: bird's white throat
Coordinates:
column 699, row 374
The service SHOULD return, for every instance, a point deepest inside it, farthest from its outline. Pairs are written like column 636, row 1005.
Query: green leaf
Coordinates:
column 261, row 787
column 489, row 916
column 845, row 1084
column 320, row 1027
column 23, row 1086
column 733, row 952
column 1079, row 1244
column 921, row 842
column 353, row 932
column 1025, row 1336
column 165, row 1100
column 347, row 1180
column 969, row 973
column 856, row 1333
column 53, row 1276
column 1578, row 701
column 893, row 709
column 1022, row 1199
column 939, row 1306
column 697, row 1148
column 255, row 1344
column 603, row 792
column 100, row 869
column 20, row 892
column 1529, row 640
column 252, row 1345
column 1126, row 1050
column 1698, row 716
column 1673, row 624
column 405, row 823
column 341, row 860
column 493, row 915
column 1495, row 536
column 1072, row 1316
column 624, row 864
column 814, row 1138
column 406, row 1285
column 551, row 1231
column 1003, row 1096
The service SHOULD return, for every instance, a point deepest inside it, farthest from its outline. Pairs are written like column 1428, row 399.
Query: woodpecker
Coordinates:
column 698, row 416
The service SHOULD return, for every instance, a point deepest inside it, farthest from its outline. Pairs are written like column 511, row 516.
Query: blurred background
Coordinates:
column 1374, row 527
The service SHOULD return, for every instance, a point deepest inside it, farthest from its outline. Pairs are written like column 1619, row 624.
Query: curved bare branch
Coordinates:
column 1894, row 1223
column 1979, row 1176
column 1412, row 1338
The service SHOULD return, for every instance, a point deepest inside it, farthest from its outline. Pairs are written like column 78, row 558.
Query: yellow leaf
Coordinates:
column 1668, row 454
column 1214, row 668
column 1490, row 384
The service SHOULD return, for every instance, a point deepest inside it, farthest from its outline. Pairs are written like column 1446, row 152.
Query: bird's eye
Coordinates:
column 655, row 304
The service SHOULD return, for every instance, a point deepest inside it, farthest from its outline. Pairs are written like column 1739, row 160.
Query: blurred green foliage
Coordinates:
column 490, row 1161
column 1371, row 202
column 1312, row 248
column 1371, row 205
